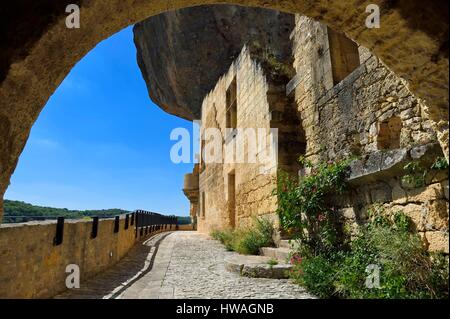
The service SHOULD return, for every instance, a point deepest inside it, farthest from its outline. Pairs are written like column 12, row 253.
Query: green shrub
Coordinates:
column 416, row 174
column 407, row 270
column 329, row 264
column 253, row 238
column 303, row 206
column 440, row 164
column 247, row 241
column 316, row 274
column 226, row 237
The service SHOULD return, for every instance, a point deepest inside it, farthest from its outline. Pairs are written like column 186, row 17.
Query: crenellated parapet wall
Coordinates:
column 33, row 266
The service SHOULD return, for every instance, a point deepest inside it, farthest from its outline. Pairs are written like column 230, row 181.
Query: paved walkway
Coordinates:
column 184, row 265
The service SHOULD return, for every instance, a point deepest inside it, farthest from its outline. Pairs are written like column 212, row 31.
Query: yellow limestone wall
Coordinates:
column 32, row 267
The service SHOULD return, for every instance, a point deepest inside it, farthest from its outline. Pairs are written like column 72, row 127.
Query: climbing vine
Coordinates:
column 303, row 206
column 329, row 264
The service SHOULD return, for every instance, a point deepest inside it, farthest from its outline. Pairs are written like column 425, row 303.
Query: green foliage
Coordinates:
column 330, row 265
column 226, row 237
column 303, row 206
column 407, row 270
column 255, row 237
column 440, row 164
column 272, row 262
column 17, row 208
column 248, row 240
column 184, row 220
column 415, row 175
column 316, row 274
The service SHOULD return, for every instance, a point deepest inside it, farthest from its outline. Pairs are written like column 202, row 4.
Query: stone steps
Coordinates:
column 256, row 267
column 280, row 253
column 262, row 266
column 287, row 243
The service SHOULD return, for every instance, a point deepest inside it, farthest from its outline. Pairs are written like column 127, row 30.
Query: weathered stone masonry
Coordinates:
column 347, row 117
column 230, row 193
column 413, row 42
column 33, row 267
column 368, row 113
column 343, row 102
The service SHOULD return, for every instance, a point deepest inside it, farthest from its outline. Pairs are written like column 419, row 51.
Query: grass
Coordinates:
column 248, row 240
column 272, row 262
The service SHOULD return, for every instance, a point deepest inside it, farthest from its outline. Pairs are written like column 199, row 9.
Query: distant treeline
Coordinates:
column 18, row 208
column 184, row 220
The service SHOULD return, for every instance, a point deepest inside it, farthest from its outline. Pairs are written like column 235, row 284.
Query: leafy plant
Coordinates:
column 248, row 240
column 303, row 206
column 226, row 237
column 316, row 274
column 272, row 262
column 13, row 209
column 440, row 164
column 329, row 265
column 415, row 174
column 407, row 270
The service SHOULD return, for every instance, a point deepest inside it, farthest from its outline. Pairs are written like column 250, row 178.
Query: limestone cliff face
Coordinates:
column 183, row 53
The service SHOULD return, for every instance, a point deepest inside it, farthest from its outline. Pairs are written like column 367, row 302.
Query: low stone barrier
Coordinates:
column 187, row 227
column 33, row 265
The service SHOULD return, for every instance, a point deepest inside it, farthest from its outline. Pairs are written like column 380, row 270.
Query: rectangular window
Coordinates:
column 202, row 154
column 389, row 131
column 344, row 55
column 231, row 105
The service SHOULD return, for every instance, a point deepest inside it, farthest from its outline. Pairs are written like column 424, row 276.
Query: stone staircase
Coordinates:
column 263, row 266
column 282, row 252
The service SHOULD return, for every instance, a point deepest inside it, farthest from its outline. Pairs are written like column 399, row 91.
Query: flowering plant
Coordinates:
column 304, row 206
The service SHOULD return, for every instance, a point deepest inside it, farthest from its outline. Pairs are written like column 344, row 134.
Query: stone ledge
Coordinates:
column 256, row 267
column 280, row 253
column 384, row 164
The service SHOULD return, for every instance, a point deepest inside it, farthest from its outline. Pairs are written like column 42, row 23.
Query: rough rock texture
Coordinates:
column 183, row 53
column 256, row 99
column 368, row 113
column 37, row 50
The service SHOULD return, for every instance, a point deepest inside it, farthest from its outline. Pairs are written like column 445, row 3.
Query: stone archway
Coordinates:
column 38, row 51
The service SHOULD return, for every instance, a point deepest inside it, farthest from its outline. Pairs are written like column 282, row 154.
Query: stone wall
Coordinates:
column 347, row 118
column 342, row 103
column 33, row 267
column 370, row 115
column 253, row 182
column 412, row 41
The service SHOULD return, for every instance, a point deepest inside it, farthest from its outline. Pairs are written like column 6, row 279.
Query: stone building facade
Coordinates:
column 340, row 102
column 236, row 176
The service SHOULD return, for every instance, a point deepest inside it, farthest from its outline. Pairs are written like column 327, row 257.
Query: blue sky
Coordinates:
column 100, row 142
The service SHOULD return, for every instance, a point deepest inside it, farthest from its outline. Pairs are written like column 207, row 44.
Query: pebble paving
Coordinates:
column 187, row 265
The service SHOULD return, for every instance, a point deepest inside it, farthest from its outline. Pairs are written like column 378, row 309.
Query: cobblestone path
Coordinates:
column 186, row 265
